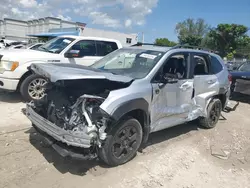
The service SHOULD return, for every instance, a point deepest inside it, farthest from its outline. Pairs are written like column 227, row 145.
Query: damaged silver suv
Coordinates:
column 109, row 109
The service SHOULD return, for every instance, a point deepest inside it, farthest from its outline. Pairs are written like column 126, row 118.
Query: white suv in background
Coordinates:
column 32, row 46
column 14, row 73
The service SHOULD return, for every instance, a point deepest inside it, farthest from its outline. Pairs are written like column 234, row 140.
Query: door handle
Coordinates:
column 185, row 87
column 211, row 81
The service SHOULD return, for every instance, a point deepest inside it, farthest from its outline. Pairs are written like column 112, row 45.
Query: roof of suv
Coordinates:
column 165, row 48
column 90, row 38
column 156, row 48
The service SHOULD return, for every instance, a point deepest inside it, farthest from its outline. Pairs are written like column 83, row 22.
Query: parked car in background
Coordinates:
column 19, row 46
column 241, row 79
column 32, row 46
column 15, row 45
column 14, row 63
column 109, row 109
column 233, row 65
column 9, row 44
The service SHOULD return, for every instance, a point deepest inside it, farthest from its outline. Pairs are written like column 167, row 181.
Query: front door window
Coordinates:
column 85, row 48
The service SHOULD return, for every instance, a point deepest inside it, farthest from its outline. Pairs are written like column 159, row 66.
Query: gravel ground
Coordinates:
column 181, row 157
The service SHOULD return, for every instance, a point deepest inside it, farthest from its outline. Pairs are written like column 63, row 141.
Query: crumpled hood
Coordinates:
column 17, row 54
column 64, row 71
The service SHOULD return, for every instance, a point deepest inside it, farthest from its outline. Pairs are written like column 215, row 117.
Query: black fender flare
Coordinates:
column 129, row 106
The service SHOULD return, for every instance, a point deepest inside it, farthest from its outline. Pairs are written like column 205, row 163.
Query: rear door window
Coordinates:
column 105, row 47
column 201, row 64
column 216, row 66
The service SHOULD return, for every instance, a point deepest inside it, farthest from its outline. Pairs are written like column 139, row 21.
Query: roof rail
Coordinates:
column 152, row 44
column 191, row 47
column 177, row 46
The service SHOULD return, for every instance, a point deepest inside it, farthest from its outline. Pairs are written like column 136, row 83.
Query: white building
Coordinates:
column 20, row 30
column 13, row 29
column 125, row 39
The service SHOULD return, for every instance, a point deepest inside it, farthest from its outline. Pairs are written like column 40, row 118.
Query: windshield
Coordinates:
column 245, row 67
column 56, row 45
column 135, row 63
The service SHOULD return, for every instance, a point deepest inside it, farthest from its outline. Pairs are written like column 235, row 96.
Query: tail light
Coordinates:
column 230, row 78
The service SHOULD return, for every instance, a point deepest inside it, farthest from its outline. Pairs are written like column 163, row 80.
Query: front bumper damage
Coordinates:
column 67, row 144
column 76, row 139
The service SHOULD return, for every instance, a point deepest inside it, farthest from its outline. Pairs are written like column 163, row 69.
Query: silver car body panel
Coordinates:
column 57, row 72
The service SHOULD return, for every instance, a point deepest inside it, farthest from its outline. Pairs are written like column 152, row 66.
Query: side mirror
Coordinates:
column 234, row 68
column 72, row 54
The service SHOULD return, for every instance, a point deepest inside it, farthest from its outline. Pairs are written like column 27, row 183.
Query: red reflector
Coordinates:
column 230, row 78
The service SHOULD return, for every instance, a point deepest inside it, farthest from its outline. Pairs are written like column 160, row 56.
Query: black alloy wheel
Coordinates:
column 125, row 142
column 122, row 143
column 213, row 114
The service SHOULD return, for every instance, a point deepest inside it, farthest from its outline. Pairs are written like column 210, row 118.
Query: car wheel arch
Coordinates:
column 27, row 73
column 221, row 97
column 23, row 77
column 138, row 109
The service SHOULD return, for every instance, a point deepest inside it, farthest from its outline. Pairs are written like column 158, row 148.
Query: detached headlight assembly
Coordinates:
column 9, row 65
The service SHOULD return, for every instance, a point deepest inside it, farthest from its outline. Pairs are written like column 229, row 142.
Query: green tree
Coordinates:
column 227, row 38
column 191, row 31
column 164, row 42
column 244, row 50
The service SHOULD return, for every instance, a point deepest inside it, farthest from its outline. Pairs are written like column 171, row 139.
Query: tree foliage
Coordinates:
column 243, row 51
column 227, row 38
column 164, row 42
column 191, row 40
column 230, row 40
column 191, row 31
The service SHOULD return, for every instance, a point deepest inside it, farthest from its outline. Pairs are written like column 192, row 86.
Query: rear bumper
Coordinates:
column 70, row 138
column 8, row 84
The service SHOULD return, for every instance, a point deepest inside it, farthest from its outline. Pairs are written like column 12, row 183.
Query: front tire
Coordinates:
column 122, row 142
column 32, row 87
column 213, row 114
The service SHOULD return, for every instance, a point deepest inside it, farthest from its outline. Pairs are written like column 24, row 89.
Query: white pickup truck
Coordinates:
column 14, row 75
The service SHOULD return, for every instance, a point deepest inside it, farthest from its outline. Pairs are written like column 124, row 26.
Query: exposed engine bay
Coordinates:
column 69, row 105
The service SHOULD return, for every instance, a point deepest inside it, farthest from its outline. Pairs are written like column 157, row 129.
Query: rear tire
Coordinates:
column 122, row 143
column 31, row 87
column 213, row 114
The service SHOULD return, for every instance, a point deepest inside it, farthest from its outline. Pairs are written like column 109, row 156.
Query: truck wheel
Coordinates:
column 31, row 87
column 122, row 142
column 213, row 114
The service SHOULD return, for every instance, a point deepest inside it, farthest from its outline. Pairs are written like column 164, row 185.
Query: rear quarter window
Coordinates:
column 216, row 66
column 105, row 47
